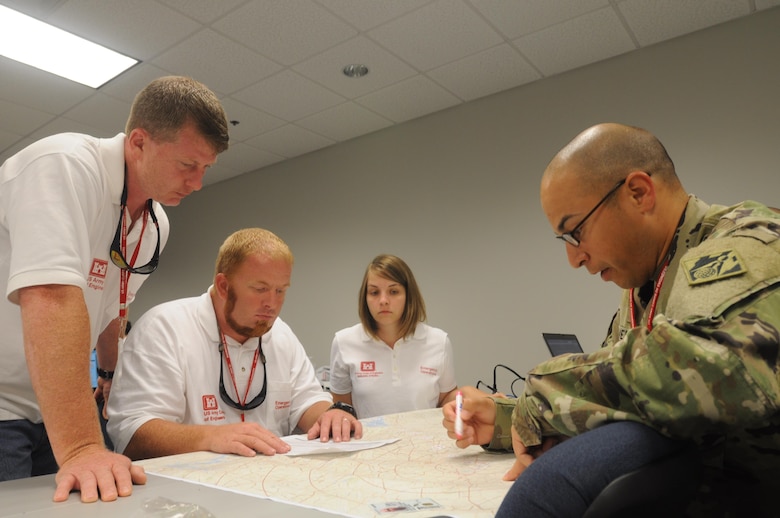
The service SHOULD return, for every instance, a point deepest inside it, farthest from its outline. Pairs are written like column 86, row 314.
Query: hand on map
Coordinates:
column 245, row 439
column 336, row 424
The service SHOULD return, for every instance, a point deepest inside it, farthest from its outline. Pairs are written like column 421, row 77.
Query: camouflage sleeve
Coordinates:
column 502, row 433
column 712, row 367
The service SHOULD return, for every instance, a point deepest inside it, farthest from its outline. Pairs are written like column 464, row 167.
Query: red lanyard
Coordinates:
column 653, row 302
column 242, row 401
column 124, row 275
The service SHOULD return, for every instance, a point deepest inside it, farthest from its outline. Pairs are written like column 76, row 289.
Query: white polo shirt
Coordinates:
column 383, row 380
column 59, row 208
column 169, row 369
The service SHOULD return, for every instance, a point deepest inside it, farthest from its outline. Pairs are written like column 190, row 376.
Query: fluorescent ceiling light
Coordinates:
column 38, row 44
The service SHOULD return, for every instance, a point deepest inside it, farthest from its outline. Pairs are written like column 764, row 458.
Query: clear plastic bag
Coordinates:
column 162, row 507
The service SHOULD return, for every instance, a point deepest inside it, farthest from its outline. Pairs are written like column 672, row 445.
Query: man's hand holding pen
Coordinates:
column 477, row 415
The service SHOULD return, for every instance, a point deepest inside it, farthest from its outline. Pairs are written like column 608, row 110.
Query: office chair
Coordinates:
column 662, row 488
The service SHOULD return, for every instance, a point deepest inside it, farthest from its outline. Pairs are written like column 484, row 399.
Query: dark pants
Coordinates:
column 565, row 480
column 24, row 450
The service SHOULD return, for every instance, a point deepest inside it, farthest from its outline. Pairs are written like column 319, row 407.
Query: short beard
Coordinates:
column 255, row 331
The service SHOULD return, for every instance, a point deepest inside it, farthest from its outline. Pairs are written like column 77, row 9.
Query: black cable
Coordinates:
column 507, row 368
column 494, row 388
column 512, row 386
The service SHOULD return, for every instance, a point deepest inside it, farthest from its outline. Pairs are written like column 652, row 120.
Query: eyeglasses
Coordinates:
column 569, row 236
column 118, row 258
column 257, row 400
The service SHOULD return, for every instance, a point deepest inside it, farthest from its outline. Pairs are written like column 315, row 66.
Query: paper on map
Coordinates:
column 301, row 445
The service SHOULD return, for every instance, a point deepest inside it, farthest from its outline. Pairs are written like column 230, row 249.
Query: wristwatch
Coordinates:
column 106, row 375
column 345, row 407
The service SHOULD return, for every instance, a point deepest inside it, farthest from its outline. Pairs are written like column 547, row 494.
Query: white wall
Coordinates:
column 456, row 195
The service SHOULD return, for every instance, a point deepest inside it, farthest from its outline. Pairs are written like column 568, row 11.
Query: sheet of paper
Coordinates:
column 301, row 445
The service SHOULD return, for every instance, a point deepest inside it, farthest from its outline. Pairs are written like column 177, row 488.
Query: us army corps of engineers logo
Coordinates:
column 713, row 267
column 97, row 274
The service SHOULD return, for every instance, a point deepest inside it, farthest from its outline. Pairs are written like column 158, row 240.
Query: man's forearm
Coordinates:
column 157, row 438
column 55, row 324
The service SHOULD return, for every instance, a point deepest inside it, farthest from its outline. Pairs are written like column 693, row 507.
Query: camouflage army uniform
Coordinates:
column 707, row 371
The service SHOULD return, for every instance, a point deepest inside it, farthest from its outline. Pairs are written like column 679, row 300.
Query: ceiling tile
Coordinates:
column 289, row 96
column 345, row 121
column 289, row 141
column 251, row 122
column 7, row 140
column 37, row 89
column 515, row 19
column 40, row 9
column 486, row 73
column 652, row 21
column 100, row 111
column 575, row 43
column 241, row 157
column 205, row 11
column 117, row 24
column 127, row 85
column 20, row 120
column 439, row 33
column 383, row 68
column 63, row 125
column 216, row 62
column 276, row 64
column 367, row 15
column 286, row 31
column 409, row 99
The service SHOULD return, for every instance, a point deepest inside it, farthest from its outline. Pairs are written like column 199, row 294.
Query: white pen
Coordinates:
column 458, row 418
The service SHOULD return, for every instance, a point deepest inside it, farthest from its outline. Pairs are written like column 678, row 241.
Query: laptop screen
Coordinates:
column 561, row 343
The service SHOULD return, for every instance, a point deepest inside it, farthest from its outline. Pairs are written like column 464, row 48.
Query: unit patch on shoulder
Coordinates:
column 713, row 267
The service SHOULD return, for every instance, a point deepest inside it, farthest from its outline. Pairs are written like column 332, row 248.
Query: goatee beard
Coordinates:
column 258, row 330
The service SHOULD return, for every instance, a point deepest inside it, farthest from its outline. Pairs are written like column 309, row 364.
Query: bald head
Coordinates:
column 604, row 154
column 626, row 174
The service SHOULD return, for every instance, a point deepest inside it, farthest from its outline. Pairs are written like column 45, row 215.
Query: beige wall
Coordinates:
column 456, row 195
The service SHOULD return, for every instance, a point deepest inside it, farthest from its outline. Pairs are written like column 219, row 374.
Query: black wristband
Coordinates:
column 345, row 407
column 106, row 375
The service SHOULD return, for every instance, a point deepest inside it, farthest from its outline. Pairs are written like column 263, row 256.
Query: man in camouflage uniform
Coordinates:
column 692, row 352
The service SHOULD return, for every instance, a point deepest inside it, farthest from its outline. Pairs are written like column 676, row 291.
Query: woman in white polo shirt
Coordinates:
column 392, row 361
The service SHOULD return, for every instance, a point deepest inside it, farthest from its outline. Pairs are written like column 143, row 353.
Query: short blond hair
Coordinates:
column 246, row 242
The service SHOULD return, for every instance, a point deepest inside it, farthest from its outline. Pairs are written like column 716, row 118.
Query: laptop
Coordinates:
column 562, row 343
